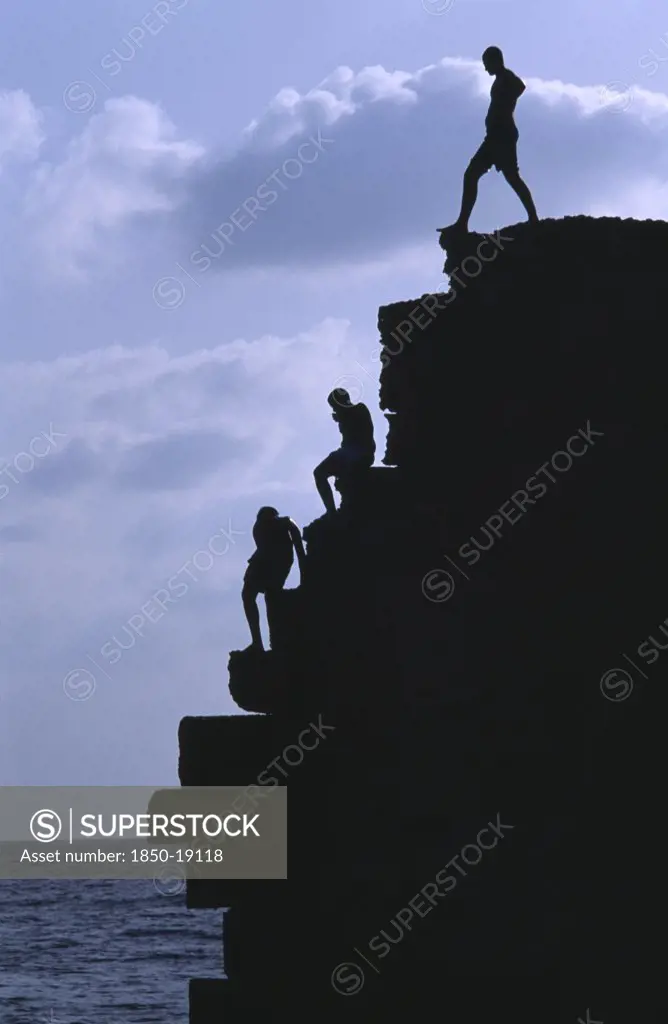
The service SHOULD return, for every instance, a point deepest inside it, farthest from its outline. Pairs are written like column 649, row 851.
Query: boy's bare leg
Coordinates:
column 327, row 468
column 249, row 598
column 521, row 189
column 472, row 176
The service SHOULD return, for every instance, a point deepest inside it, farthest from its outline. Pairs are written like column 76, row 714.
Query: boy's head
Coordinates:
column 492, row 60
column 339, row 399
column 266, row 513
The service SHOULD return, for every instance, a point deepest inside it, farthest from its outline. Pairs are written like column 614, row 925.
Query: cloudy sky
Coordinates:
column 202, row 205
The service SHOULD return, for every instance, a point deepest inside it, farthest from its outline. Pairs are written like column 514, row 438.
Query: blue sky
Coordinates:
column 152, row 396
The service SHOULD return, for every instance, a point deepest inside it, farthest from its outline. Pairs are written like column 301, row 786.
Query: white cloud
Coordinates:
column 163, row 444
column 391, row 170
column 153, row 453
column 346, row 92
column 141, row 432
column 125, row 162
column 21, row 133
column 400, row 142
column 339, row 95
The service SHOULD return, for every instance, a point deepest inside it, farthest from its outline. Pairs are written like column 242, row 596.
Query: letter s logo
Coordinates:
column 45, row 826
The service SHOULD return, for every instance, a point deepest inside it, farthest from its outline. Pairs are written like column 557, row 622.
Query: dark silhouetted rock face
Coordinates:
column 449, row 646
column 256, row 679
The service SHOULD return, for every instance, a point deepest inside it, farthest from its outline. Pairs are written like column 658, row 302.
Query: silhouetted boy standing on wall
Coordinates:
column 499, row 148
column 276, row 538
column 358, row 447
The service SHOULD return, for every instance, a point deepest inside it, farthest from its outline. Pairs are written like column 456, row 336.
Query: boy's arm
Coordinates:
column 518, row 85
column 296, row 537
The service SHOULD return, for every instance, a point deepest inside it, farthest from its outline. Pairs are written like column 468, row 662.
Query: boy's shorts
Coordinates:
column 499, row 151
